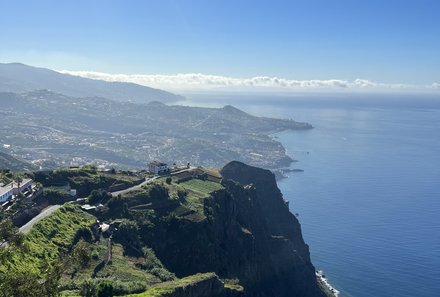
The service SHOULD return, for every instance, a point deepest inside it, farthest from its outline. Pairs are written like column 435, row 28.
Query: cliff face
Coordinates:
column 249, row 235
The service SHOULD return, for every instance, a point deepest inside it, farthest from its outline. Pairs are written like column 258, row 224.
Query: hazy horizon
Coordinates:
column 384, row 45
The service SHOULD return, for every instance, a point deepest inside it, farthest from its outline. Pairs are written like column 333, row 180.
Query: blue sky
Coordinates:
column 385, row 41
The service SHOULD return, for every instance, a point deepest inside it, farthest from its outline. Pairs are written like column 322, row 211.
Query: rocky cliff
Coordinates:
column 248, row 235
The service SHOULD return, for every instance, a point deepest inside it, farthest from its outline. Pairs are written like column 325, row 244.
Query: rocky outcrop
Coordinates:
column 284, row 267
column 249, row 234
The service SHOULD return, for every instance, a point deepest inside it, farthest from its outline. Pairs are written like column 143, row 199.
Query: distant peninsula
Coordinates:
column 52, row 130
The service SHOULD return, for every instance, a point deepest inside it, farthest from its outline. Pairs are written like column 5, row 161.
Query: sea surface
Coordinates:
column 369, row 197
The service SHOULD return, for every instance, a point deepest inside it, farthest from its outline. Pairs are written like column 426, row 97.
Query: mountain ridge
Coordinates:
column 19, row 78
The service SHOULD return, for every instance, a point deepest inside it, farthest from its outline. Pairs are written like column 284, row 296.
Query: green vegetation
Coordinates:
column 98, row 196
column 201, row 187
column 196, row 192
column 33, row 267
column 6, row 176
column 68, row 255
column 86, row 179
column 125, row 274
column 50, row 238
column 168, row 288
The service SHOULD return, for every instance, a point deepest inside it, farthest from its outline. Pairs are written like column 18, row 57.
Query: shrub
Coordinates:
column 99, row 196
column 88, row 289
column 83, row 233
column 158, row 192
column 104, row 289
column 95, row 255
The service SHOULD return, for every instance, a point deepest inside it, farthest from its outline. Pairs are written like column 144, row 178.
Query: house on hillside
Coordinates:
column 25, row 184
column 5, row 193
column 157, row 167
column 13, row 188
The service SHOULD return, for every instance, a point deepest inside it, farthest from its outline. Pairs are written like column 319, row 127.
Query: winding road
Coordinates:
column 125, row 191
column 44, row 213
column 48, row 210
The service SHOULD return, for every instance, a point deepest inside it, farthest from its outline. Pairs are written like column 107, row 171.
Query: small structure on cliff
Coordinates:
column 157, row 167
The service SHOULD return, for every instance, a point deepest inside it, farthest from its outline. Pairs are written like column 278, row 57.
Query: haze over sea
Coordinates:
column 369, row 197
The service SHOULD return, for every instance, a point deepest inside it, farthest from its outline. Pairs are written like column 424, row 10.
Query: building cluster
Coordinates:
column 14, row 188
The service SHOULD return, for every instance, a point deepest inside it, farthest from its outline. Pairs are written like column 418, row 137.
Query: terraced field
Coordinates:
column 201, row 187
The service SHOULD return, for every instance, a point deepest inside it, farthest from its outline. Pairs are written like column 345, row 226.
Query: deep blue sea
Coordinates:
column 369, row 197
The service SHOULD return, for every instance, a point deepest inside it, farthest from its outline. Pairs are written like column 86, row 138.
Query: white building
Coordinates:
column 24, row 185
column 157, row 167
column 5, row 193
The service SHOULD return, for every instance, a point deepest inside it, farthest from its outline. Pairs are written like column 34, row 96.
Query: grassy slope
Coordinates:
column 49, row 238
column 122, row 272
column 167, row 288
column 201, row 187
column 54, row 235
column 198, row 190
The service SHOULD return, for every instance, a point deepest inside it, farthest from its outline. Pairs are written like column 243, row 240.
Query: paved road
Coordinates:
column 47, row 211
column 147, row 181
column 122, row 192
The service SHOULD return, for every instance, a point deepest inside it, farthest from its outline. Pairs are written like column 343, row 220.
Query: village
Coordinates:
column 26, row 201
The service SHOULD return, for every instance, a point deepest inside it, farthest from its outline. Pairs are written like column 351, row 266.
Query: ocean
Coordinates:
column 369, row 198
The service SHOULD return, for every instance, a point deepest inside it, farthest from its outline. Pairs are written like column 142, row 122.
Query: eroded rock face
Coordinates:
column 249, row 234
column 284, row 255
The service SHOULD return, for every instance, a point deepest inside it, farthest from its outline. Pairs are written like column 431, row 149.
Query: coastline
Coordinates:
column 326, row 287
column 283, row 173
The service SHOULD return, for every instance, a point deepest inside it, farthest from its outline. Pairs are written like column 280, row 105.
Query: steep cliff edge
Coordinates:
column 248, row 234
column 198, row 233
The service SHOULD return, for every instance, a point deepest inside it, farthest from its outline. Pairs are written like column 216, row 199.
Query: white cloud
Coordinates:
column 198, row 81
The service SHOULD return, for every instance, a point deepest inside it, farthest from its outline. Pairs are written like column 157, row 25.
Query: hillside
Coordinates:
column 52, row 127
column 14, row 164
column 199, row 233
column 19, row 78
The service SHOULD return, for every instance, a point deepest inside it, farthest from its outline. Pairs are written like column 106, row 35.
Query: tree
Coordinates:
column 82, row 254
column 158, row 192
column 99, row 196
column 129, row 232
column 88, row 289
column 116, row 203
column 9, row 234
column 168, row 180
column 18, row 179
column 104, row 289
